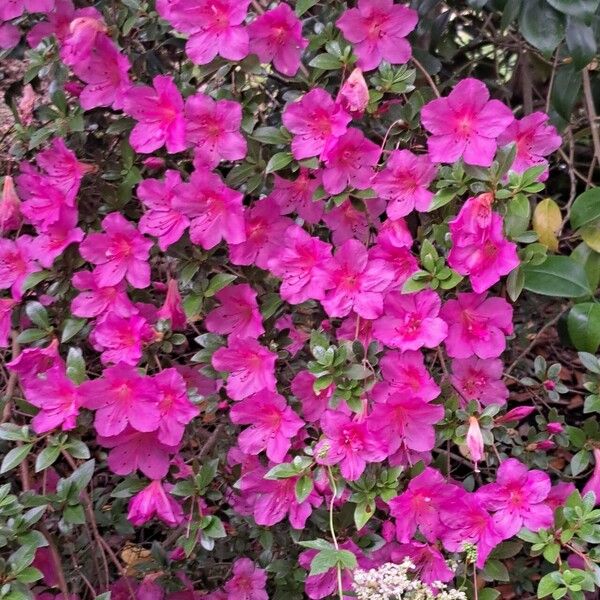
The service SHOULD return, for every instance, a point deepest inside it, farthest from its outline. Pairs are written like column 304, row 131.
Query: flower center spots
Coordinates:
column 490, row 250
column 475, row 384
column 120, row 248
column 464, row 126
column 475, row 325
column 351, row 440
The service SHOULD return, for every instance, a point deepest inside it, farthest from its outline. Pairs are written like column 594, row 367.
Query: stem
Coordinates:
column 427, row 77
column 475, row 591
column 591, row 111
column 12, row 380
column 332, row 530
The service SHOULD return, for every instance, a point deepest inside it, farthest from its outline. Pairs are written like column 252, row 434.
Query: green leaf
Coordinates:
column 76, row 366
column 282, row 471
column 362, row 513
column 15, row 457
column 83, row 475
column 548, row 584
column 214, row 528
column 271, row 135
column 46, row 458
column 218, row 282
column 327, row 62
column 304, row 486
column 441, row 199
column 579, row 462
column 591, row 404
column 576, row 8
column 558, row 276
column 35, row 278
column 38, row 315
column 541, row 25
column 511, row 11
column 303, row 5
column 31, row 335
column 583, row 324
column 566, row 90
column 552, row 552
column 269, row 303
column 586, row 208
column 71, row 328
column 496, row 571
column 581, row 42
column 323, row 561
column 279, row 161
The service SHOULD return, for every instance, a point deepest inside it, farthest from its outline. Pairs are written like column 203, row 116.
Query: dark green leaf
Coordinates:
column 37, row 314
column 511, row 11
column 46, row 458
column 71, row 328
column 541, row 25
column 218, row 282
column 566, row 90
column 303, row 5
column 304, row 486
column 558, row 276
column 15, row 457
column 326, row 62
column 576, row 8
column 278, row 161
column 580, row 41
column 583, row 324
column 586, row 208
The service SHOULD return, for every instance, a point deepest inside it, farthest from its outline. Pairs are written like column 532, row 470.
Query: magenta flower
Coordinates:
column 314, row 404
column 297, row 196
column 172, row 309
column 10, row 207
column 6, row 306
column 559, row 493
column 84, row 33
column 534, row 138
column 465, row 124
column 215, row 211
column 404, row 183
column 152, row 501
column 248, row 582
column 347, row 442
column 35, row 361
column 121, row 397
column 353, row 96
column 251, row 367
column 176, row 410
column 410, row 321
column 161, row 220
column 121, row 252
column 349, row 160
column 16, row 264
column 593, row 483
column 324, row 585
column 10, row 36
column 213, row 129
column 316, row 121
column 347, row 222
column 276, row 36
column 159, row 112
column 58, row 399
column 55, row 238
column 378, row 29
column 358, row 283
column 395, row 232
column 272, row 422
column 430, row 564
column 479, row 379
column 95, row 300
column 297, row 337
column 477, row 325
column 353, row 324
column 238, row 315
column 399, row 259
column 215, row 27
column 11, row 9
column 517, row 498
column 474, row 442
column 302, row 265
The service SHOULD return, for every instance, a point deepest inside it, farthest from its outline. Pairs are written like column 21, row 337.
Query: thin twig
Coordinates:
column 332, row 530
column 427, row 77
column 12, row 381
column 591, row 111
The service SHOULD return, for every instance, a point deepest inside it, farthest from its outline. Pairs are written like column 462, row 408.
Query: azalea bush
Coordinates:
column 299, row 300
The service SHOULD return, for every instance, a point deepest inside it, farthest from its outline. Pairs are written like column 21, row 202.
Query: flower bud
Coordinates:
column 475, row 441
column 516, row 414
column 354, row 94
column 10, row 207
column 554, row 427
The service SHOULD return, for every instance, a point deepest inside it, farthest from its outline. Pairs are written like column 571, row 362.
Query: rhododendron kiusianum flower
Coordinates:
column 238, row 315
column 358, row 283
column 593, row 483
column 276, row 36
column 534, row 138
column 430, row 564
column 396, row 256
column 354, row 94
column 297, row 196
column 121, row 397
column 35, row 361
column 378, row 29
column 347, row 442
column 272, row 422
column 10, row 207
column 248, row 582
column 466, row 124
column 161, row 220
column 250, row 367
column 404, row 183
column 54, row 239
column 58, row 399
column 9, row 36
column 6, row 306
column 323, row 585
column 215, row 211
column 347, row 222
column 315, row 121
column 213, row 129
column 410, row 321
column 152, row 501
column 172, row 308
column 420, row 505
column 477, row 325
column 159, row 112
column 11, row 9
column 479, row 379
column 302, row 264
column 297, row 337
column 84, row 33
column 215, row 27
column 517, row 498
column 559, row 493
column 95, row 300
column 349, row 160
column 16, row 264
column 121, row 252
column 314, row 404
column 474, row 442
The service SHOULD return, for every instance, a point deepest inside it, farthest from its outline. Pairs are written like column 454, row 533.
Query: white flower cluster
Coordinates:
column 392, row 582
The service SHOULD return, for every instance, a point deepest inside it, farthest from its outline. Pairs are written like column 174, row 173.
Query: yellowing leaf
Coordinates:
column 546, row 223
column 591, row 235
column 133, row 555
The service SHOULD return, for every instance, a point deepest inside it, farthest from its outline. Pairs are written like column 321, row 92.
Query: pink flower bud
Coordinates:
column 593, row 484
column 545, row 445
column 516, row 414
column 554, row 427
column 26, row 105
column 475, row 441
column 549, row 385
column 10, row 207
column 354, row 95
column 74, row 88
column 154, row 163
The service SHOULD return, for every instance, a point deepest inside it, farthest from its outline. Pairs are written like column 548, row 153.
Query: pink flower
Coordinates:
column 358, row 283
column 465, row 124
column 516, row 414
column 251, row 367
column 475, row 442
column 121, row 339
column 555, row 428
column 420, row 505
column 176, row 410
column 347, row 442
column 121, row 397
column 297, row 196
column 6, row 306
column 314, row 404
column 534, row 139
column 216, row 27
column 395, row 232
column 324, row 585
column 95, row 300
column 35, row 361
column 16, row 264
column 272, row 425
column 159, row 112
column 276, row 36
column 559, row 493
column 213, row 129
column 215, row 211
column 154, row 500
column 11, row 9
column 593, row 483
column 398, row 259
column 517, row 498
column 10, row 207
column 264, row 230
column 247, row 583
column 55, row 238
column 238, row 315
column 347, row 222
column 410, row 321
column 430, row 564
column 354, row 94
column 10, row 36
column 354, row 328
column 297, row 337
column 378, row 29
column 121, row 252
column 316, row 121
column 161, row 220
column 83, row 34
column 58, row 399
column 302, row 264
column 172, row 309
column 477, row 325
column 349, row 160
column 133, row 450
column 479, row 379
column 404, row 183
